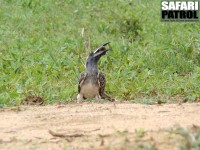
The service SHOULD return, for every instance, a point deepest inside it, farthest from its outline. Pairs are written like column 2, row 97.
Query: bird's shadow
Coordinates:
column 94, row 100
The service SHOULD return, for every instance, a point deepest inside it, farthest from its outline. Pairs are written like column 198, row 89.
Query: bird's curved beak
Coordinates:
column 102, row 47
column 100, row 52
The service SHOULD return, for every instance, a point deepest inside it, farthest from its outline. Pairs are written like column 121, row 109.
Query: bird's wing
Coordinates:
column 81, row 80
column 102, row 83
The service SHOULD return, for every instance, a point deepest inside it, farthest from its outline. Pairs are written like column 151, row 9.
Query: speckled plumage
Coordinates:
column 91, row 84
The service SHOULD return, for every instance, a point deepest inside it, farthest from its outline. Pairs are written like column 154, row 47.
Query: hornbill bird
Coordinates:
column 91, row 83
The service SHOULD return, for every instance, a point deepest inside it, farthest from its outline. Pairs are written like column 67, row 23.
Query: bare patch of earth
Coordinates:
column 100, row 126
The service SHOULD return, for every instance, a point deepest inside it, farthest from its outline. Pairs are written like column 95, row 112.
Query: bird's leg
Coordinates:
column 79, row 98
column 98, row 96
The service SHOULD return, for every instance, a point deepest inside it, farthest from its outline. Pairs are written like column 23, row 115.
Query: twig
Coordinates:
column 65, row 135
column 104, row 135
column 92, row 130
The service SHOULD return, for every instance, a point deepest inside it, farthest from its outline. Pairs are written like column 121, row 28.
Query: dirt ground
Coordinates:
column 98, row 126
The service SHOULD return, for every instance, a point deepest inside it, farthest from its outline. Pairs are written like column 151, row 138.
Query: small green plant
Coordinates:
column 191, row 139
column 139, row 133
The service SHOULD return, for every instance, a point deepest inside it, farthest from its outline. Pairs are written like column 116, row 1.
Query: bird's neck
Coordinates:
column 92, row 69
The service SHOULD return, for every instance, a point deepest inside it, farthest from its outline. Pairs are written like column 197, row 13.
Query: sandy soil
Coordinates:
column 97, row 126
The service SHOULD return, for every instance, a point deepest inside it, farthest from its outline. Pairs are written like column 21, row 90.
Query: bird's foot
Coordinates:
column 97, row 97
column 79, row 98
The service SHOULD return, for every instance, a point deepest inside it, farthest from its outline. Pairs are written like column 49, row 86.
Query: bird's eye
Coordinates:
column 91, row 54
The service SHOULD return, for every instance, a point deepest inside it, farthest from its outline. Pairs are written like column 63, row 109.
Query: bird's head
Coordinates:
column 93, row 57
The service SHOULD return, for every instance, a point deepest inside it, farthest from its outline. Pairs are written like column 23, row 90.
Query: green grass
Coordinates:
column 43, row 46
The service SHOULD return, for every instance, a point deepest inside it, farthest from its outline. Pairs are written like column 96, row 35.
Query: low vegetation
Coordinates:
column 43, row 46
